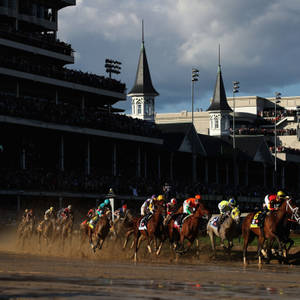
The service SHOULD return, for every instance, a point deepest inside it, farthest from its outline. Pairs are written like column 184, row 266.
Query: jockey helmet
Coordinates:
column 160, row 197
column 198, row 197
column 106, row 201
column 153, row 197
column 102, row 205
column 173, row 201
column 51, row 208
column 70, row 207
column 232, row 202
column 280, row 194
column 26, row 210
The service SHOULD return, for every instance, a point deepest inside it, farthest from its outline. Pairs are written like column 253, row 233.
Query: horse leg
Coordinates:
column 260, row 244
column 212, row 238
column 246, row 234
column 159, row 247
column 149, row 243
column 127, row 235
column 136, row 242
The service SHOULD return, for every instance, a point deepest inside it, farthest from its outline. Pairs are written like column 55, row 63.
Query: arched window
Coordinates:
column 139, row 108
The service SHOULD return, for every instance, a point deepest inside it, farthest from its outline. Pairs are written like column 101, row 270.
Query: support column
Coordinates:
column 60, row 202
column 194, row 167
column 237, row 170
column 88, row 157
column 217, row 172
column 171, row 165
column 265, row 174
column 82, row 103
column 16, row 5
column 283, row 177
column 227, row 173
column 158, row 167
column 139, row 161
column 114, row 158
column 18, row 203
column 56, row 97
column 206, row 170
column 18, row 89
column 23, row 159
column 247, row 173
column 145, row 164
column 62, row 153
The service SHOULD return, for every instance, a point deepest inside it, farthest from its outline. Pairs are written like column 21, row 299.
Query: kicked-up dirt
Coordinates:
column 50, row 272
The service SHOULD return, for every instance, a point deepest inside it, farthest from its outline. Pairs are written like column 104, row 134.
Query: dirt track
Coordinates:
column 111, row 274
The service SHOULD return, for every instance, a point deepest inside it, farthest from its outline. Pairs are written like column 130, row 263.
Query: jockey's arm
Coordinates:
column 189, row 210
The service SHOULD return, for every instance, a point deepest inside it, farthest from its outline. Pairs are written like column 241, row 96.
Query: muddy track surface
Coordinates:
column 55, row 273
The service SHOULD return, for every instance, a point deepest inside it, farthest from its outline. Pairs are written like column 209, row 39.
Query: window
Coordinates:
column 139, row 109
column 216, row 123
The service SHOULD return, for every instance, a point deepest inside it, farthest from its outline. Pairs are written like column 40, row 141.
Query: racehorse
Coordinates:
column 102, row 229
column 284, row 233
column 273, row 221
column 67, row 229
column 190, row 228
column 228, row 230
column 45, row 231
column 25, row 230
column 153, row 231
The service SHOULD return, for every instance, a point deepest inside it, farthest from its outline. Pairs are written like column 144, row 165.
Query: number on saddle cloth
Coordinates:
column 257, row 220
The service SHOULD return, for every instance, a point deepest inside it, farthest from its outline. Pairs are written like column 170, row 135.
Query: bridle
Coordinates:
column 294, row 211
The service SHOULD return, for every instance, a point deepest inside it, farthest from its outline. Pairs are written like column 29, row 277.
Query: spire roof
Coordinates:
column 219, row 101
column 143, row 82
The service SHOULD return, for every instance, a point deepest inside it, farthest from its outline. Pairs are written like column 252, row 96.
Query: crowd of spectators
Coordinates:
column 284, row 149
column 58, row 72
column 46, row 40
column 280, row 114
column 265, row 131
column 66, row 113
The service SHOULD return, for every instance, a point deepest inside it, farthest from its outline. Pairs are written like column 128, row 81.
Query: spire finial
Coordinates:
column 142, row 31
column 219, row 55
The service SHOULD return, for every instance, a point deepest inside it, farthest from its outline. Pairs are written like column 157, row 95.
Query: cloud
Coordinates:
column 258, row 38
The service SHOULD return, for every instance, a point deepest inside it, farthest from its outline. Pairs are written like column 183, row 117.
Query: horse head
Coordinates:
column 202, row 211
column 235, row 214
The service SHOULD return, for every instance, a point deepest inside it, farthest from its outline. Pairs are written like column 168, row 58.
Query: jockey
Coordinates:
column 270, row 202
column 27, row 216
column 89, row 215
column 148, row 206
column 171, row 209
column 49, row 213
column 64, row 213
column 100, row 211
column 171, row 206
column 189, row 206
column 225, row 208
column 120, row 212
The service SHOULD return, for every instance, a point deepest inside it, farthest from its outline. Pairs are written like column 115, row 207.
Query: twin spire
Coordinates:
column 143, row 83
column 219, row 101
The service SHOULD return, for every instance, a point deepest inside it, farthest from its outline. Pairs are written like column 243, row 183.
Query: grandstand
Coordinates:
column 64, row 140
column 61, row 138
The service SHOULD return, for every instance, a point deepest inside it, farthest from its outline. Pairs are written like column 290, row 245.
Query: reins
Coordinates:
column 294, row 211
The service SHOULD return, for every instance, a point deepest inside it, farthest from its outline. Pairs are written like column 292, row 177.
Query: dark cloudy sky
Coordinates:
column 260, row 45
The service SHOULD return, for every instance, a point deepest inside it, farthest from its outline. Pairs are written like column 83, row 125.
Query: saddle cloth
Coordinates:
column 255, row 223
column 144, row 222
column 177, row 223
column 215, row 222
